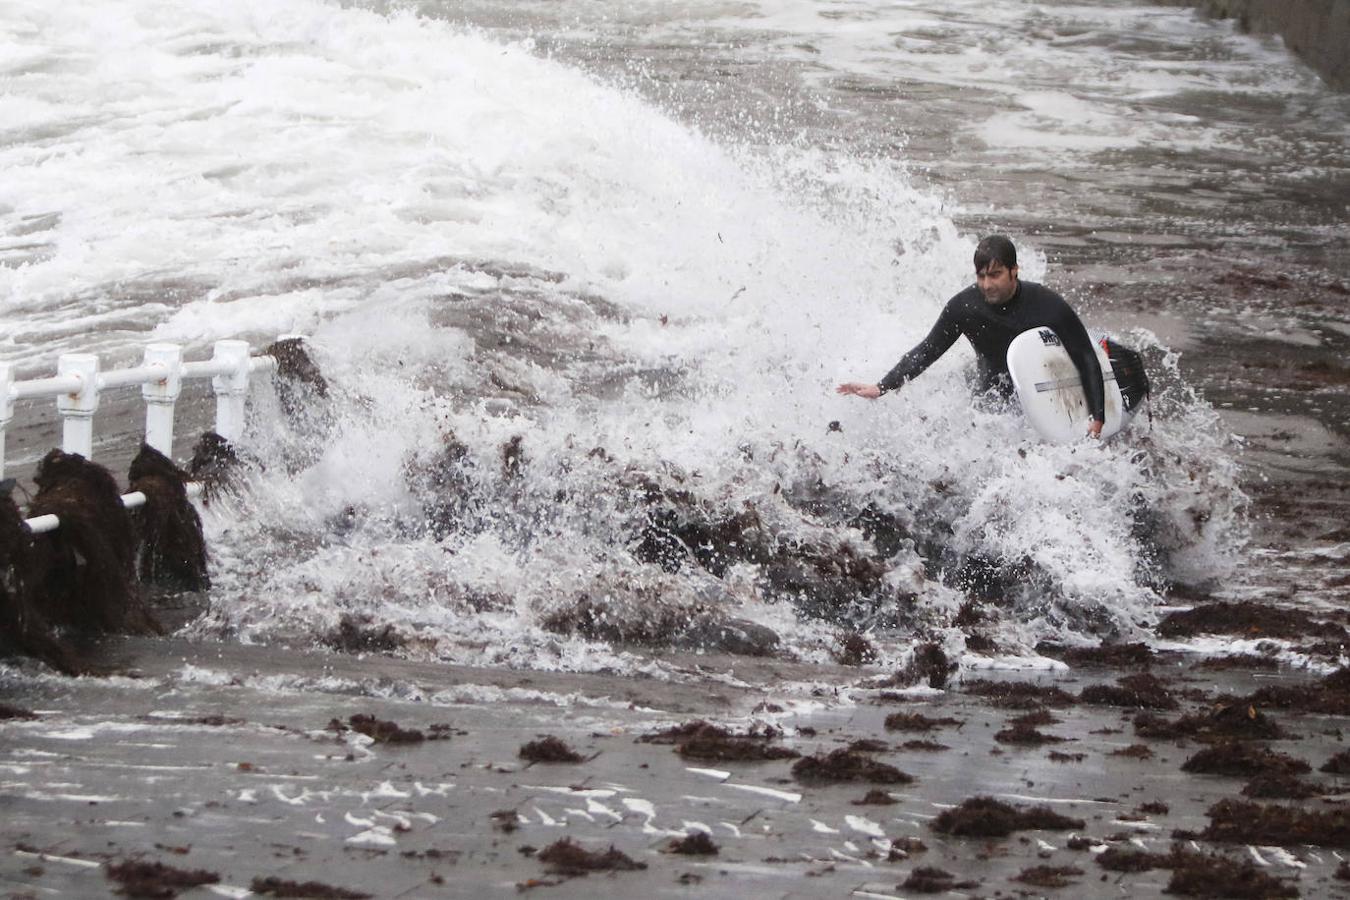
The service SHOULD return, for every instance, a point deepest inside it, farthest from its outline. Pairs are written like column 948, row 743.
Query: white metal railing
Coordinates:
column 78, row 382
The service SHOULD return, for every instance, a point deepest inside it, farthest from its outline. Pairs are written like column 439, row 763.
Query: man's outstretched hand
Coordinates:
column 859, row 389
column 1094, row 429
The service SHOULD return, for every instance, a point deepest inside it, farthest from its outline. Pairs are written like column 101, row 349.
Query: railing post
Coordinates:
column 6, row 408
column 231, row 388
column 160, row 396
column 77, row 409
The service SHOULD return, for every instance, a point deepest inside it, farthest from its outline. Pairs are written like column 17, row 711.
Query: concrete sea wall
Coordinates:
column 1318, row 31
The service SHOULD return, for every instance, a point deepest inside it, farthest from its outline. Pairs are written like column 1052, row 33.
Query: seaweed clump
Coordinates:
column 876, row 797
column 140, row 878
column 1200, row 874
column 1143, row 691
column 1236, row 758
column 549, row 749
column 360, row 634
column 932, row 880
column 847, row 765
column 703, row 740
column 1280, row 786
column 1101, row 656
column 987, row 817
column 696, row 843
column 1328, row 696
column 380, row 730
column 1239, row 821
column 1338, row 764
column 1019, row 694
column 1229, row 721
column 1248, row 619
column 271, row 886
column 567, row 858
column 918, row 722
column 1049, row 876
column 1024, row 734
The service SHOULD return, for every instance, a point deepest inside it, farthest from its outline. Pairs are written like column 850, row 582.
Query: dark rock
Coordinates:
column 740, row 637
column 24, row 626
column 214, row 465
column 173, row 548
column 679, row 529
column 446, row 486
column 88, row 565
column 822, row 582
column 854, row 650
column 1318, row 32
column 513, row 458
column 886, row 532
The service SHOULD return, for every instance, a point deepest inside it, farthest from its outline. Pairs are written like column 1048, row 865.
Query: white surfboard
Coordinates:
column 1051, row 392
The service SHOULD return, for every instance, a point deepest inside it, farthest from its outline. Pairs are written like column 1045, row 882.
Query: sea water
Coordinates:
column 640, row 244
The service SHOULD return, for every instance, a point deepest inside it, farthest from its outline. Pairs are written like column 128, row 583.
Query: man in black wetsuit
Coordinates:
column 990, row 313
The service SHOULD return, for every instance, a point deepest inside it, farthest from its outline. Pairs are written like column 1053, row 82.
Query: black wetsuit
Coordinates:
column 991, row 328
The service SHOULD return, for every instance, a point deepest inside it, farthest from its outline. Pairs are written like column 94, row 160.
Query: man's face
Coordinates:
column 997, row 282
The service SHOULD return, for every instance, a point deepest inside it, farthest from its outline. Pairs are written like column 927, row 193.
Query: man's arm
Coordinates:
column 939, row 340
column 1084, row 355
column 943, row 334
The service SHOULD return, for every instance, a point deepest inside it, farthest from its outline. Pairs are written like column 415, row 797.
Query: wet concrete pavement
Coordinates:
column 241, row 775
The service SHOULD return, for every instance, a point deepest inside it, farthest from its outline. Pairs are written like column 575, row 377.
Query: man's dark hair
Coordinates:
column 995, row 247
